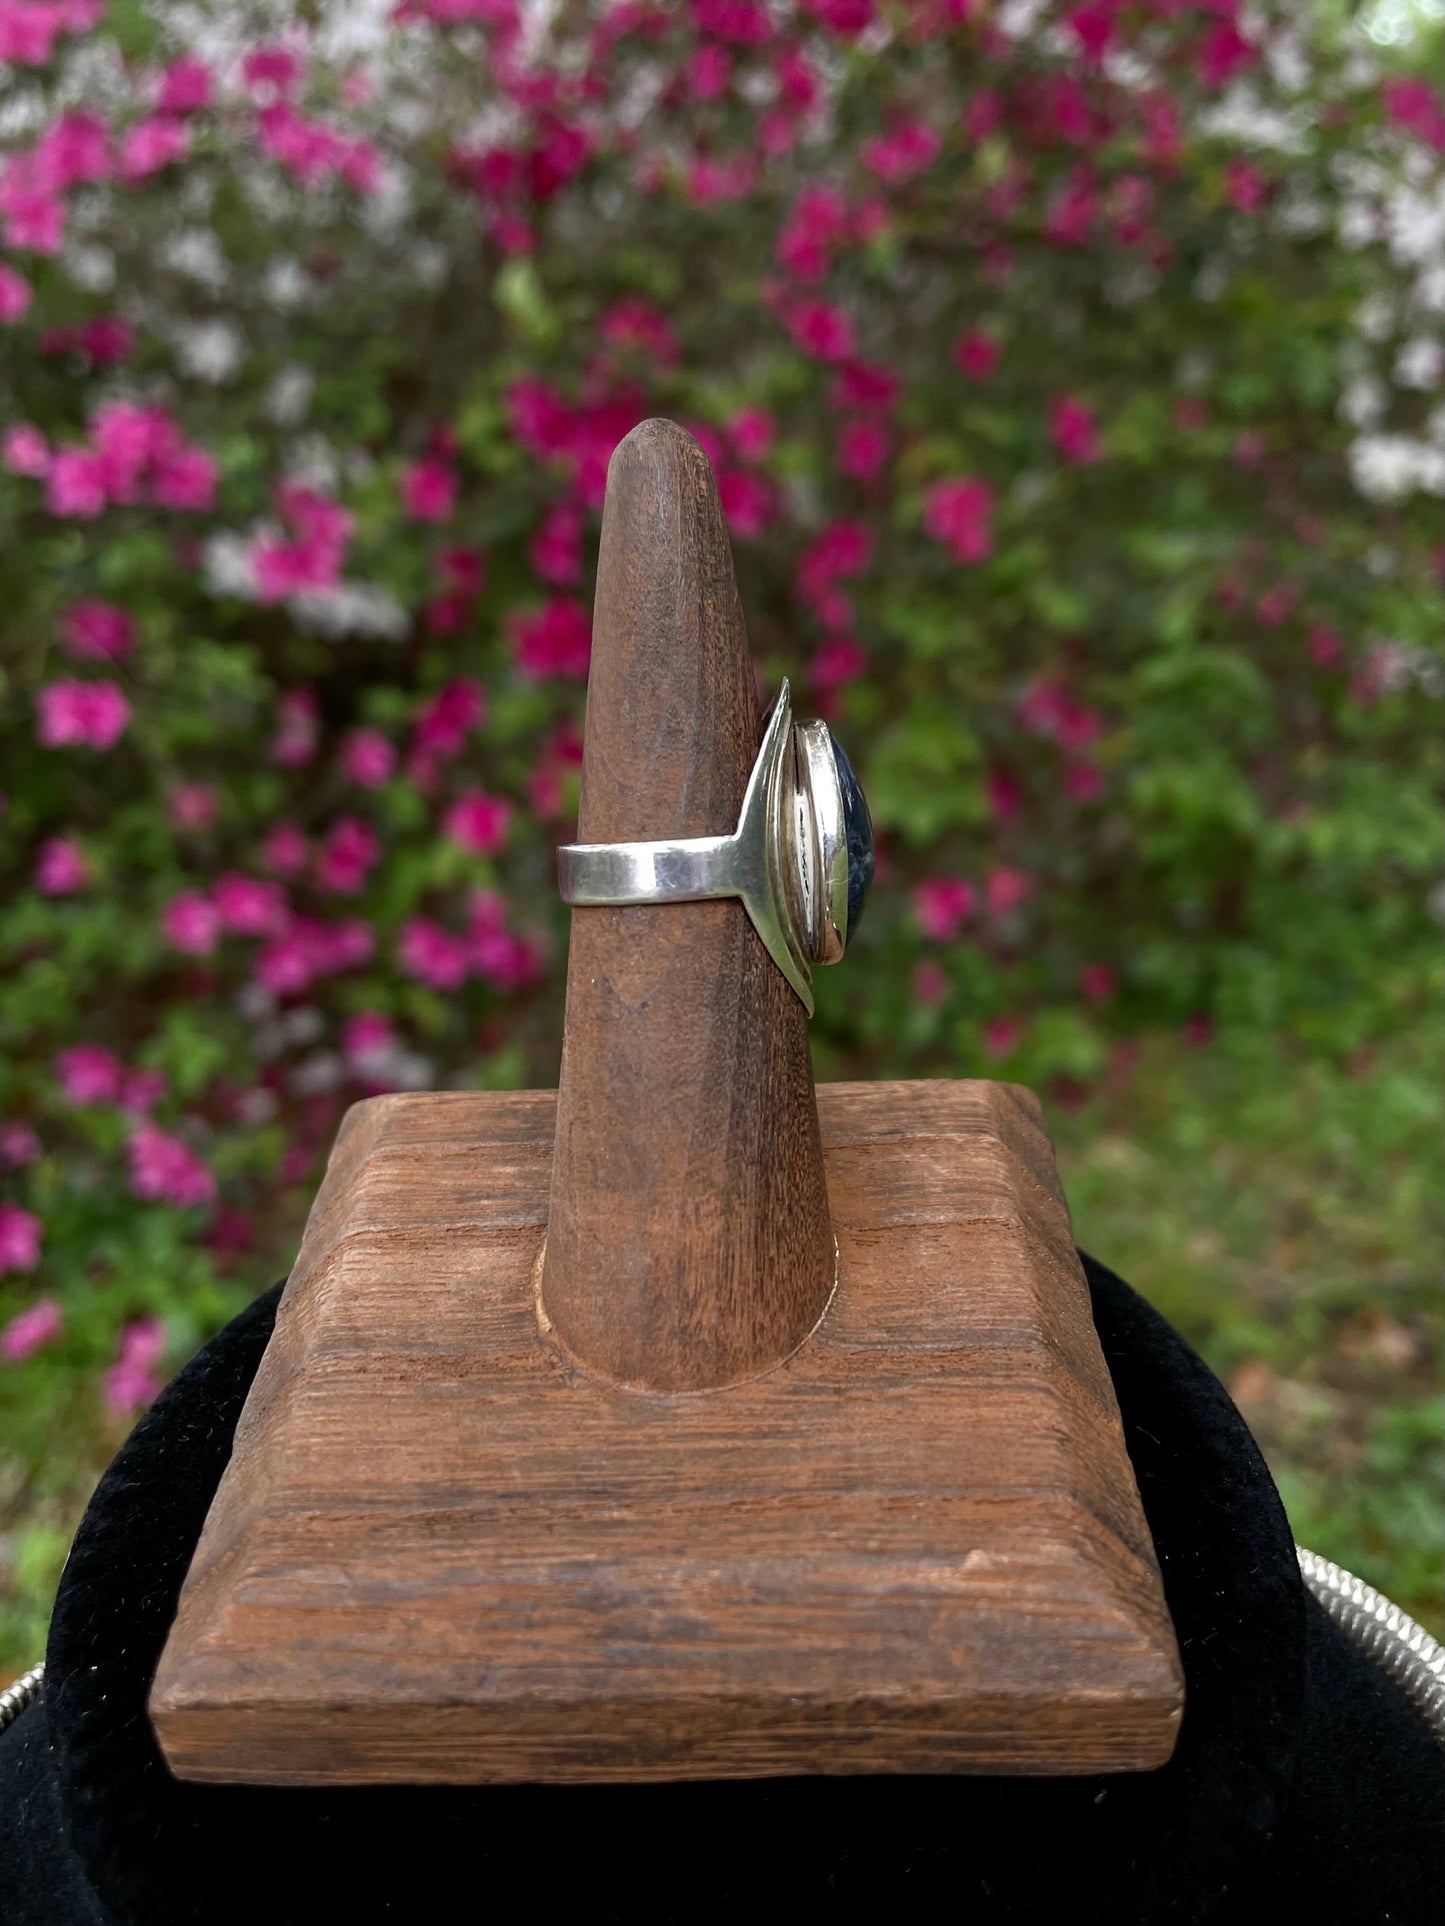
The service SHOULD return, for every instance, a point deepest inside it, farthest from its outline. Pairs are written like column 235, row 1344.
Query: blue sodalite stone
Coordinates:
column 858, row 827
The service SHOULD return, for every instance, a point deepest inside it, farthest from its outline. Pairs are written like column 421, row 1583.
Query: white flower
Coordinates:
column 210, row 350
column 289, row 395
column 1389, row 467
column 196, row 253
column 351, row 608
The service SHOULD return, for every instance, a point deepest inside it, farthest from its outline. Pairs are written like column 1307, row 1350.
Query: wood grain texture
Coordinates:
column 689, row 1242
column 443, row 1553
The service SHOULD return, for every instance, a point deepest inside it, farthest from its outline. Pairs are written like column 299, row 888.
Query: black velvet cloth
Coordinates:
column 1302, row 1780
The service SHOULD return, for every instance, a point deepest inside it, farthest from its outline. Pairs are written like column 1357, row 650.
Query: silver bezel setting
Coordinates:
column 787, row 860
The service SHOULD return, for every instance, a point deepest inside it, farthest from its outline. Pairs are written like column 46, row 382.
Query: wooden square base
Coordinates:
column 443, row 1553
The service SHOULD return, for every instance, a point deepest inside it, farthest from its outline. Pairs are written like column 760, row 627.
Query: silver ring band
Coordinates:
column 800, row 858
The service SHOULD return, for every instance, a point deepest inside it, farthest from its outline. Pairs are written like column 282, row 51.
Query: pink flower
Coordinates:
column 553, row 640
column 126, row 441
column 248, row 907
column 75, row 483
column 72, row 149
column 907, row 149
column 1223, row 52
column 16, row 295
column 930, row 982
column 478, row 822
column 645, row 330
column 106, row 339
column 751, row 433
column 555, row 551
column 838, row 660
column 432, row 954
column 142, row 1091
column 1245, row 187
column 193, row 806
column 368, row 758
column 32, row 213
column 300, row 726
column 847, row 18
column 823, row 331
column 31, row 1328
column 1074, row 429
column 25, row 451
column 131, row 1382
column 1097, row 982
column 463, row 570
column 187, row 86
column 747, row 501
column 61, row 868
column 165, row 1170
column 191, row 923
column 958, row 512
column 19, row 1145
column 367, row 1037
column 286, row 850
column 841, row 551
column 1325, row 648
column 744, row 22
column 862, row 449
column 817, row 223
column 1412, row 102
column 444, row 723
column 1006, row 889
column 1004, row 796
column 272, row 69
column 429, row 490
column 151, row 145
column 350, row 851
column 185, row 478
column 976, row 354
column 97, row 632
column 709, row 70
column 942, row 905
column 93, row 713
column 1084, row 782
column 89, row 1074
column 19, row 1239
column 1002, row 1036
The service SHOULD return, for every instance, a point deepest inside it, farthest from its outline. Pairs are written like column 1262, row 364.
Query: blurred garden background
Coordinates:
column 1072, row 377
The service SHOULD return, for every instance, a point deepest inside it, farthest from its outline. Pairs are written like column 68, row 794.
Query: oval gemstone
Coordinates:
column 858, row 830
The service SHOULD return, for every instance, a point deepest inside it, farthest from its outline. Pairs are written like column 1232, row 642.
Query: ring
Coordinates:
column 801, row 857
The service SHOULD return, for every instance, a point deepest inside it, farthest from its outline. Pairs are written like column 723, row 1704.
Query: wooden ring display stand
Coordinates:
column 678, row 1425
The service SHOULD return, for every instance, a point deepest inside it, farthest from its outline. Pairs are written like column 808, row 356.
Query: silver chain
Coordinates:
column 25, row 1691
column 1403, row 1650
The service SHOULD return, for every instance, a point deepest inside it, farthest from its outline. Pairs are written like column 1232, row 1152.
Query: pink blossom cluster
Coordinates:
column 485, row 948
column 1047, row 708
column 131, row 1382
column 553, row 640
column 311, row 552
column 20, row 1238
column 943, row 904
column 315, row 151
column 75, row 149
column 135, row 455
column 958, row 512
column 39, row 1324
column 89, row 1074
column 164, row 1169
column 841, row 553
column 89, row 714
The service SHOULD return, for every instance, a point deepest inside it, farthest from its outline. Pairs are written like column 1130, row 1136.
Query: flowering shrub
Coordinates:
column 1070, row 375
